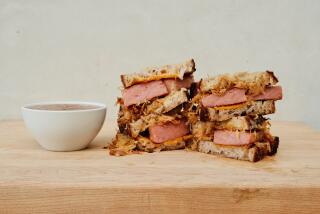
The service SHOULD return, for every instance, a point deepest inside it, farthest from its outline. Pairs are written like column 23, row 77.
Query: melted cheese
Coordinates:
column 230, row 106
column 177, row 140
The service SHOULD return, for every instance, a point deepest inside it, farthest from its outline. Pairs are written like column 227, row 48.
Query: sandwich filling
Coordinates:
column 168, row 131
column 143, row 92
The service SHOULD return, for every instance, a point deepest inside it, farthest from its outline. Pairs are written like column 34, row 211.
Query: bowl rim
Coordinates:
column 100, row 106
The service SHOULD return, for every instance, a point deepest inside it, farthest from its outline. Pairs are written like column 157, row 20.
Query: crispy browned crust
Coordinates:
column 270, row 144
column 254, row 82
column 259, row 154
column 274, row 146
column 158, row 73
column 274, row 143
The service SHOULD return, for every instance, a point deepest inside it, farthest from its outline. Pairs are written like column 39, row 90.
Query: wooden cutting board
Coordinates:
column 33, row 180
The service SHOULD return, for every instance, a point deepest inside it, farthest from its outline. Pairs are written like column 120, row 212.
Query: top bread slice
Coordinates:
column 254, row 83
column 158, row 73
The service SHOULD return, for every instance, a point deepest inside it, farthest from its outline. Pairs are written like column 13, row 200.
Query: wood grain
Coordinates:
column 33, row 180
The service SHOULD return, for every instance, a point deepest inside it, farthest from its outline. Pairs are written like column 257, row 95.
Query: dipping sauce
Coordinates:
column 63, row 107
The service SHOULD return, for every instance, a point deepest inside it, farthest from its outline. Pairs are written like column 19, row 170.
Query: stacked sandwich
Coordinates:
column 227, row 115
column 151, row 114
column 162, row 108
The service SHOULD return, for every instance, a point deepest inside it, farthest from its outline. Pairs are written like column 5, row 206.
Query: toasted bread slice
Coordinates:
column 157, row 73
column 168, row 103
column 254, row 83
column 244, row 123
column 249, row 108
column 252, row 152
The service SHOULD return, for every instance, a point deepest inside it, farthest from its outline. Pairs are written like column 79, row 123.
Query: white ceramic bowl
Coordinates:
column 64, row 130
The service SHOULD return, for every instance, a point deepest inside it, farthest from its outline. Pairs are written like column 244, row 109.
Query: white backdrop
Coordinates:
column 76, row 50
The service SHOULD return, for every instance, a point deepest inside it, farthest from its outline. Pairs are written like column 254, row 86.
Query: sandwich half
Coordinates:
column 151, row 109
column 227, row 115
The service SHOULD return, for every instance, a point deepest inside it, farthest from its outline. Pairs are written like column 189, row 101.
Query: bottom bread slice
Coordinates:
column 252, row 152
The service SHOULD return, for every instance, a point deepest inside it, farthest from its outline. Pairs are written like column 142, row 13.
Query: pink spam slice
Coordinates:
column 142, row 92
column 168, row 131
column 270, row 93
column 224, row 137
column 232, row 96
column 236, row 95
